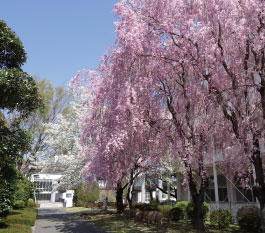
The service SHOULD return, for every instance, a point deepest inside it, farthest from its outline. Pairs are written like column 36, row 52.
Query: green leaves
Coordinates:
column 18, row 92
column 12, row 53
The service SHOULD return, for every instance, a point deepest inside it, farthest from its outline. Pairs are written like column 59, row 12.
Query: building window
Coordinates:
column 243, row 194
column 43, row 185
column 210, row 194
column 68, row 195
column 222, row 189
column 147, row 197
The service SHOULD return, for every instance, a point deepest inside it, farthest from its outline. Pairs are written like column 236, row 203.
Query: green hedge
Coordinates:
column 164, row 207
column 146, row 206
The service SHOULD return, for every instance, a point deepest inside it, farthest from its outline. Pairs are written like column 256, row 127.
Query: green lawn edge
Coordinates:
column 19, row 221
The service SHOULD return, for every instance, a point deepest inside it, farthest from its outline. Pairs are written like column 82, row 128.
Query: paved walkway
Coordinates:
column 53, row 220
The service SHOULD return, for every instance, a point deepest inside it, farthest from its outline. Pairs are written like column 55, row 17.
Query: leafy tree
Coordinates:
column 55, row 100
column 19, row 95
column 86, row 193
column 62, row 142
column 24, row 188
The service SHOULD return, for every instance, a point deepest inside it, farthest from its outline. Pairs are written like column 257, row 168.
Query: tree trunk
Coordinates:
column 119, row 199
column 151, row 194
column 197, row 200
column 129, row 199
column 259, row 188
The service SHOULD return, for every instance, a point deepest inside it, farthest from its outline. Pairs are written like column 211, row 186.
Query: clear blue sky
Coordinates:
column 61, row 36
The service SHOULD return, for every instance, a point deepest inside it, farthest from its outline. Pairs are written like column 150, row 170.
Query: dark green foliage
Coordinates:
column 19, row 92
column 221, row 218
column 177, row 213
column 85, row 194
column 23, row 189
column 164, row 207
column 146, row 206
column 190, row 210
column 8, row 178
column 183, row 206
column 18, row 204
column 12, row 53
column 18, row 95
column 249, row 218
column 14, row 141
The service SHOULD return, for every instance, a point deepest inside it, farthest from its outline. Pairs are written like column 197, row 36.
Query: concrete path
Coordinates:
column 53, row 220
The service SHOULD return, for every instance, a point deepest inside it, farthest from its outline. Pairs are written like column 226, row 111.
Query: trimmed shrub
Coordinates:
column 150, row 216
column 30, row 200
column 164, row 207
column 183, row 206
column 249, row 218
column 130, row 213
column 146, row 206
column 18, row 204
column 190, row 210
column 177, row 213
column 221, row 218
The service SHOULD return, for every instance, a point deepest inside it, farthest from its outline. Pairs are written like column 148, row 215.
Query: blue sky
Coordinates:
column 61, row 36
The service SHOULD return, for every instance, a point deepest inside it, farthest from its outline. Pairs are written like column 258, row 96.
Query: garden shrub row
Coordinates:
column 248, row 218
column 149, row 216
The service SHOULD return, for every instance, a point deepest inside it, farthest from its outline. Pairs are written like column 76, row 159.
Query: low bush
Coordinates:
column 183, row 206
column 164, row 207
column 146, row 206
column 153, row 216
column 221, row 218
column 130, row 213
column 190, row 210
column 249, row 218
column 18, row 204
column 177, row 213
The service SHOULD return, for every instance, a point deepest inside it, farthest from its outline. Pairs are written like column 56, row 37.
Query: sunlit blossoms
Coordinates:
column 184, row 75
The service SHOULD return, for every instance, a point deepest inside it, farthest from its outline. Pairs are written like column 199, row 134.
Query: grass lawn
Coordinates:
column 120, row 224
column 19, row 221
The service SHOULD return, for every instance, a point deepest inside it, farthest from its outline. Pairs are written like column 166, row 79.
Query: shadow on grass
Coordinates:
column 3, row 225
column 120, row 224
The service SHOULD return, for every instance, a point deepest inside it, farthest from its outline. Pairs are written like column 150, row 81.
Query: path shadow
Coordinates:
column 66, row 222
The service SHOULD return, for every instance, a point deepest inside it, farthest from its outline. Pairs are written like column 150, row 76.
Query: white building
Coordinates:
column 46, row 189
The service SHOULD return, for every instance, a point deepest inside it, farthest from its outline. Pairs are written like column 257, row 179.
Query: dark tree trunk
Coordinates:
column 259, row 188
column 151, row 194
column 129, row 199
column 198, row 214
column 197, row 196
column 119, row 199
column 197, row 200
